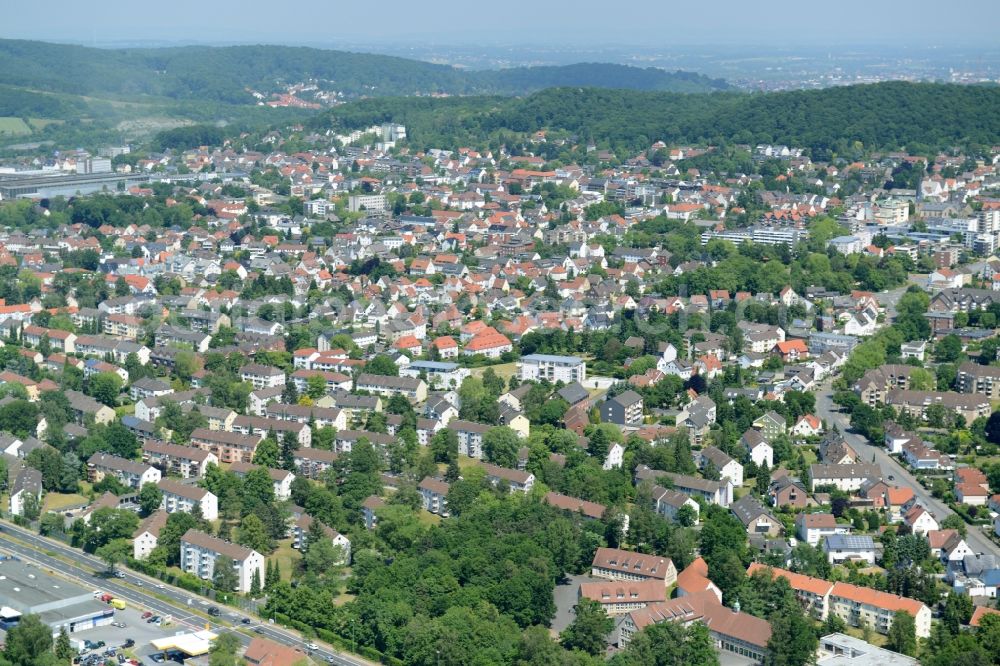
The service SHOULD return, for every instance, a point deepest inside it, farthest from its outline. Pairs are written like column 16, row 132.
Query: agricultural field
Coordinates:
column 13, row 126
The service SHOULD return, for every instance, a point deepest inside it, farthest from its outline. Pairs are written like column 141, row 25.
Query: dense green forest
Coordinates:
column 224, row 74
column 919, row 116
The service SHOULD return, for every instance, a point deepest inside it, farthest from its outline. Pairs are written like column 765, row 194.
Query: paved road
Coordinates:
column 828, row 411
column 139, row 591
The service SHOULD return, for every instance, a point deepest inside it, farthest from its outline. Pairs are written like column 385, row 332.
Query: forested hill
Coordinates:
column 223, row 74
column 919, row 116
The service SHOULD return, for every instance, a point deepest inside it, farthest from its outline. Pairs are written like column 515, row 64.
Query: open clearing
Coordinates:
column 13, row 126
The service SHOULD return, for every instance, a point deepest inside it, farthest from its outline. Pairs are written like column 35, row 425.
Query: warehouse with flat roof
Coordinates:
column 28, row 590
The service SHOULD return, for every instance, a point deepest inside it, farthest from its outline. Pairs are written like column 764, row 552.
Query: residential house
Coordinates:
column 840, row 548
column 755, row 518
column 813, row 528
column 147, row 535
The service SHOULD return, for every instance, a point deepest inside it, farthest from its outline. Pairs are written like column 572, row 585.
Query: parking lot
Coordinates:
column 137, row 629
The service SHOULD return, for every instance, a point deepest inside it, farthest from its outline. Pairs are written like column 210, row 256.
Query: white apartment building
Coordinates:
column 567, row 369
column 199, row 552
column 182, row 497
column 129, row 472
column 262, row 376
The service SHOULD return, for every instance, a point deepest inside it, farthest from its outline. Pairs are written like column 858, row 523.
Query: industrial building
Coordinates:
column 28, row 590
column 38, row 187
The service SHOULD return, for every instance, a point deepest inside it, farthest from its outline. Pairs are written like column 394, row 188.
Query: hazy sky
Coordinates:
column 578, row 22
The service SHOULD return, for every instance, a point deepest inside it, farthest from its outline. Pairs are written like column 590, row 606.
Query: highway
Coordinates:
column 830, row 412
column 143, row 592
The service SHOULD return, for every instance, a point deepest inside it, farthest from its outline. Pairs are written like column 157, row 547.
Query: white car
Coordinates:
column 312, row 646
column 160, row 586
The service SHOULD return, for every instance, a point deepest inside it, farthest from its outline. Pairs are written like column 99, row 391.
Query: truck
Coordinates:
column 118, row 603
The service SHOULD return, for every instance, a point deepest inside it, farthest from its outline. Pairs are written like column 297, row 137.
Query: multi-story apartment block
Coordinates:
column 412, row 388
column 915, row 403
column 517, row 480
column 129, row 472
column 313, row 463
column 262, row 376
column 979, row 379
column 848, row 478
column 567, row 369
column 876, row 384
column 184, row 461
column 857, row 606
column 61, row 341
column 434, row 496
column 470, row 437
column 124, row 326
column 228, row 447
column 713, row 492
column 668, row 503
column 624, row 409
column 201, row 552
column 183, row 498
column 262, row 426
column 282, row 479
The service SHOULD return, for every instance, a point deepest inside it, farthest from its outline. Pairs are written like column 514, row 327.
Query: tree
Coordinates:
column 253, row 534
column 64, row 649
column 105, row 387
column 902, row 636
column 28, row 641
column 500, row 446
column 224, row 575
column 589, row 628
column 268, row 453
column 150, row 498
column 948, row 349
column 223, row 652
column 382, row 365
column 255, row 584
column 793, row 640
column 315, row 386
column 289, row 445
column 19, row 417
column 957, row 611
column 114, row 552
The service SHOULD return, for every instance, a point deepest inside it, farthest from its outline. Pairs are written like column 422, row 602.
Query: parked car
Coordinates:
column 147, row 614
column 128, row 643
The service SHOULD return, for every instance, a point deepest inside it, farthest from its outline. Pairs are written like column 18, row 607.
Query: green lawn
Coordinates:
column 287, row 558
column 13, row 126
column 504, row 371
column 428, row 518
column 42, row 123
column 59, row 501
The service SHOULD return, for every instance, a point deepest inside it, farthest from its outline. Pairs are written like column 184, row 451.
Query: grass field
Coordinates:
column 428, row 518
column 13, row 126
column 504, row 371
column 59, row 501
column 287, row 558
column 42, row 123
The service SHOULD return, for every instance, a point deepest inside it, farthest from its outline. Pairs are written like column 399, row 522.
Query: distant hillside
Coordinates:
column 920, row 116
column 223, row 74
